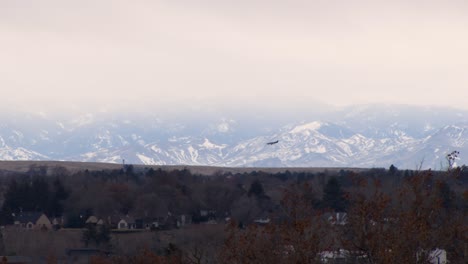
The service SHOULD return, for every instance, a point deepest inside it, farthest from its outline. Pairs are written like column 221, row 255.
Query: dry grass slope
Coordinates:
column 74, row 166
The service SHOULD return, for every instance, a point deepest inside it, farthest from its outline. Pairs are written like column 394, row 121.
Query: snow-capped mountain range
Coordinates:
column 364, row 136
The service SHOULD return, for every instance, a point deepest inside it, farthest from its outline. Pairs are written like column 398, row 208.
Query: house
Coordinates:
column 126, row 222
column 262, row 221
column 342, row 256
column 436, row 256
column 148, row 223
column 210, row 214
column 92, row 220
column 178, row 221
column 184, row 220
column 112, row 221
column 202, row 216
column 169, row 222
column 57, row 222
column 33, row 220
column 338, row 218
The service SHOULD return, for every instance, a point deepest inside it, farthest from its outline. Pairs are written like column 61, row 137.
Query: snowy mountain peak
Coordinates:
column 340, row 141
column 208, row 145
column 304, row 128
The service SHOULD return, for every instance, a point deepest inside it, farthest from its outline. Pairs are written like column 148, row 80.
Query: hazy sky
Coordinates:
column 60, row 52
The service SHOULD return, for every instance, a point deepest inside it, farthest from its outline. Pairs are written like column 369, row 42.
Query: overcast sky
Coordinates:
column 82, row 52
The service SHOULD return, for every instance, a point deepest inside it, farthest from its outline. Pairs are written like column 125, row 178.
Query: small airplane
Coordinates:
column 273, row 142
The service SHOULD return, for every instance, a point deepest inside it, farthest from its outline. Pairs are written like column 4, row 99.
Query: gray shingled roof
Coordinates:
column 26, row 217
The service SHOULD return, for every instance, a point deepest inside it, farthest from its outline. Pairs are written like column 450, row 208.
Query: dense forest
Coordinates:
column 375, row 216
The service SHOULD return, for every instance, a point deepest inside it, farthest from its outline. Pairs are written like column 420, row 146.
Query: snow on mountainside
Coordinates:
column 353, row 138
column 9, row 153
column 307, row 145
column 434, row 147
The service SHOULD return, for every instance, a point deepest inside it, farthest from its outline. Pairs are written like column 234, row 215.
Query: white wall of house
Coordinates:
column 438, row 256
column 122, row 224
column 43, row 222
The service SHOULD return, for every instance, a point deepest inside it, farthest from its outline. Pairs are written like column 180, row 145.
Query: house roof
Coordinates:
column 92, row 220
column 26, row 217
column 262, row 221
column 112, row 219
column 57, row 221
column 337, row 218
column 128, row 219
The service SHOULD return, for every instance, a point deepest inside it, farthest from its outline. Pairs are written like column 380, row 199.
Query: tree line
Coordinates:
column 391, row 214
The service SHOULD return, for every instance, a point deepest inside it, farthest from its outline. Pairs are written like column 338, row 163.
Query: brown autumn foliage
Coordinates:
column 297, row 236
column 400, row 225
column 396, row 229
column 387, row 230
column 386, row 223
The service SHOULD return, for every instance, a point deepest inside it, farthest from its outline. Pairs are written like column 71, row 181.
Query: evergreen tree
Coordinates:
column 333, row 196
column 40, row 195
column 75, row 220
column 25, row 197
column 58, row 195
column 407, row 173
column 10, row 204
column 446, row 195
column 256, row 189
column 89, row 234
column 33, row 195
column 97, row 234
column 392, row 170
column 103, row 235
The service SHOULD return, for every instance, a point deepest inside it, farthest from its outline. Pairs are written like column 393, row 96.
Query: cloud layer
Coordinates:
column 173, row 52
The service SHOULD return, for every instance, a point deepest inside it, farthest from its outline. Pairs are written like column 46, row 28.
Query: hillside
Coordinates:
column 72, row 166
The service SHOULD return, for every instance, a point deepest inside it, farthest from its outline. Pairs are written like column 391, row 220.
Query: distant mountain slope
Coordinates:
column 364, row 136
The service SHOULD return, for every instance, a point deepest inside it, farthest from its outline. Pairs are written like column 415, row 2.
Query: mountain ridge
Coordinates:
column 358, row 138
